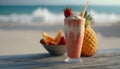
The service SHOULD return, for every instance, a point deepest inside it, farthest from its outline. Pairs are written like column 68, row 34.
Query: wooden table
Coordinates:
column 104, row 59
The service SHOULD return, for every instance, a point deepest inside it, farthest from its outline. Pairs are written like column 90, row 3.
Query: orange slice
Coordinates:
column 52, row 43
column 46, row 41
column 58, row 37
column 48, row 37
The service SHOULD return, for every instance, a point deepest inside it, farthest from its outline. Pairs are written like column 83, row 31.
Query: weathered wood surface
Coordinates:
column 104, row 59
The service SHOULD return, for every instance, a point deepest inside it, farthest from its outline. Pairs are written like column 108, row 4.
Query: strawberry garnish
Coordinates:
column 68, row 12
column 62, row 41
column 42, row 41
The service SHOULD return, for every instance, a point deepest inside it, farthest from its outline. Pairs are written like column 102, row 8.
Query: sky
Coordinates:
column 58, row 2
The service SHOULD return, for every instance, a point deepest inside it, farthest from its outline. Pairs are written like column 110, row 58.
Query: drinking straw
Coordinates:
column 85, row 9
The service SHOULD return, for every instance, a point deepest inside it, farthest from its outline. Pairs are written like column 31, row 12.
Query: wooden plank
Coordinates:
column 104, row 59
column 24, row 56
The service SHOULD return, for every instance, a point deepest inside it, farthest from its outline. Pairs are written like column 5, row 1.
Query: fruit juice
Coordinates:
column 74, row 34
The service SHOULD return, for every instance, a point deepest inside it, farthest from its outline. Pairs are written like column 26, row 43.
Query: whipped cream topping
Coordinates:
column 74, row 16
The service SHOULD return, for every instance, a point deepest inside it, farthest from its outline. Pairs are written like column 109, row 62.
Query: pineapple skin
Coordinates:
column 89, row 46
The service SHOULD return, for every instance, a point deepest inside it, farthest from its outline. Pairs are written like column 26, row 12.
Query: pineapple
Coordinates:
column 90, row 41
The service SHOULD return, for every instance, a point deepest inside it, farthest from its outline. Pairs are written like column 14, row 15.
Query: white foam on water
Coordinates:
column 43, row 15
column 104, row 18
column 38, row 16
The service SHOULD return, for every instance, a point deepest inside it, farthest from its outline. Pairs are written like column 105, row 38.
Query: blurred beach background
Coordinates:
column 23, row 21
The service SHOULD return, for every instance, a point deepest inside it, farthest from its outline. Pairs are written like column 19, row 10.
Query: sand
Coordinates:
column 23, row 39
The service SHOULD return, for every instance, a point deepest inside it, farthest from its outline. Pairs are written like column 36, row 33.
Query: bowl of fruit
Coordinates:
column 55, row 46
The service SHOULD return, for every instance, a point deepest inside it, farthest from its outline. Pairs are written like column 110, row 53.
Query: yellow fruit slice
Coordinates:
column 48, row 37
column 46, row 41
column 58, row 37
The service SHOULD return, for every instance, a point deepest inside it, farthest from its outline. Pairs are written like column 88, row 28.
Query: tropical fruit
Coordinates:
column 49, row 40
column 90, row 40
column 58, row 37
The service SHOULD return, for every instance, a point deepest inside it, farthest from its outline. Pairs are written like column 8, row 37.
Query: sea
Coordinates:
column 54, row 14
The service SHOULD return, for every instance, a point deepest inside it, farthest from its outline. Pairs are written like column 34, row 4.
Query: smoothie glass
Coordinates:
column 74, row 34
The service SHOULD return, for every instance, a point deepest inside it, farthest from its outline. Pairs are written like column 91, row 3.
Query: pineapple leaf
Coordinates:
column 85, row 14
column 89, row 19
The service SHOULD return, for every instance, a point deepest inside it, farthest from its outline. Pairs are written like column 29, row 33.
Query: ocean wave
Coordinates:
column 38, row 16
column 106, row 18
column 44, row 16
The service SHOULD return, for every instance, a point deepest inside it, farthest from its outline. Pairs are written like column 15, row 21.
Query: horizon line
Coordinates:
column 57, row 5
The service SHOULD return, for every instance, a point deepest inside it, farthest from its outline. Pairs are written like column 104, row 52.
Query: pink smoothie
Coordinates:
column 74, row 34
